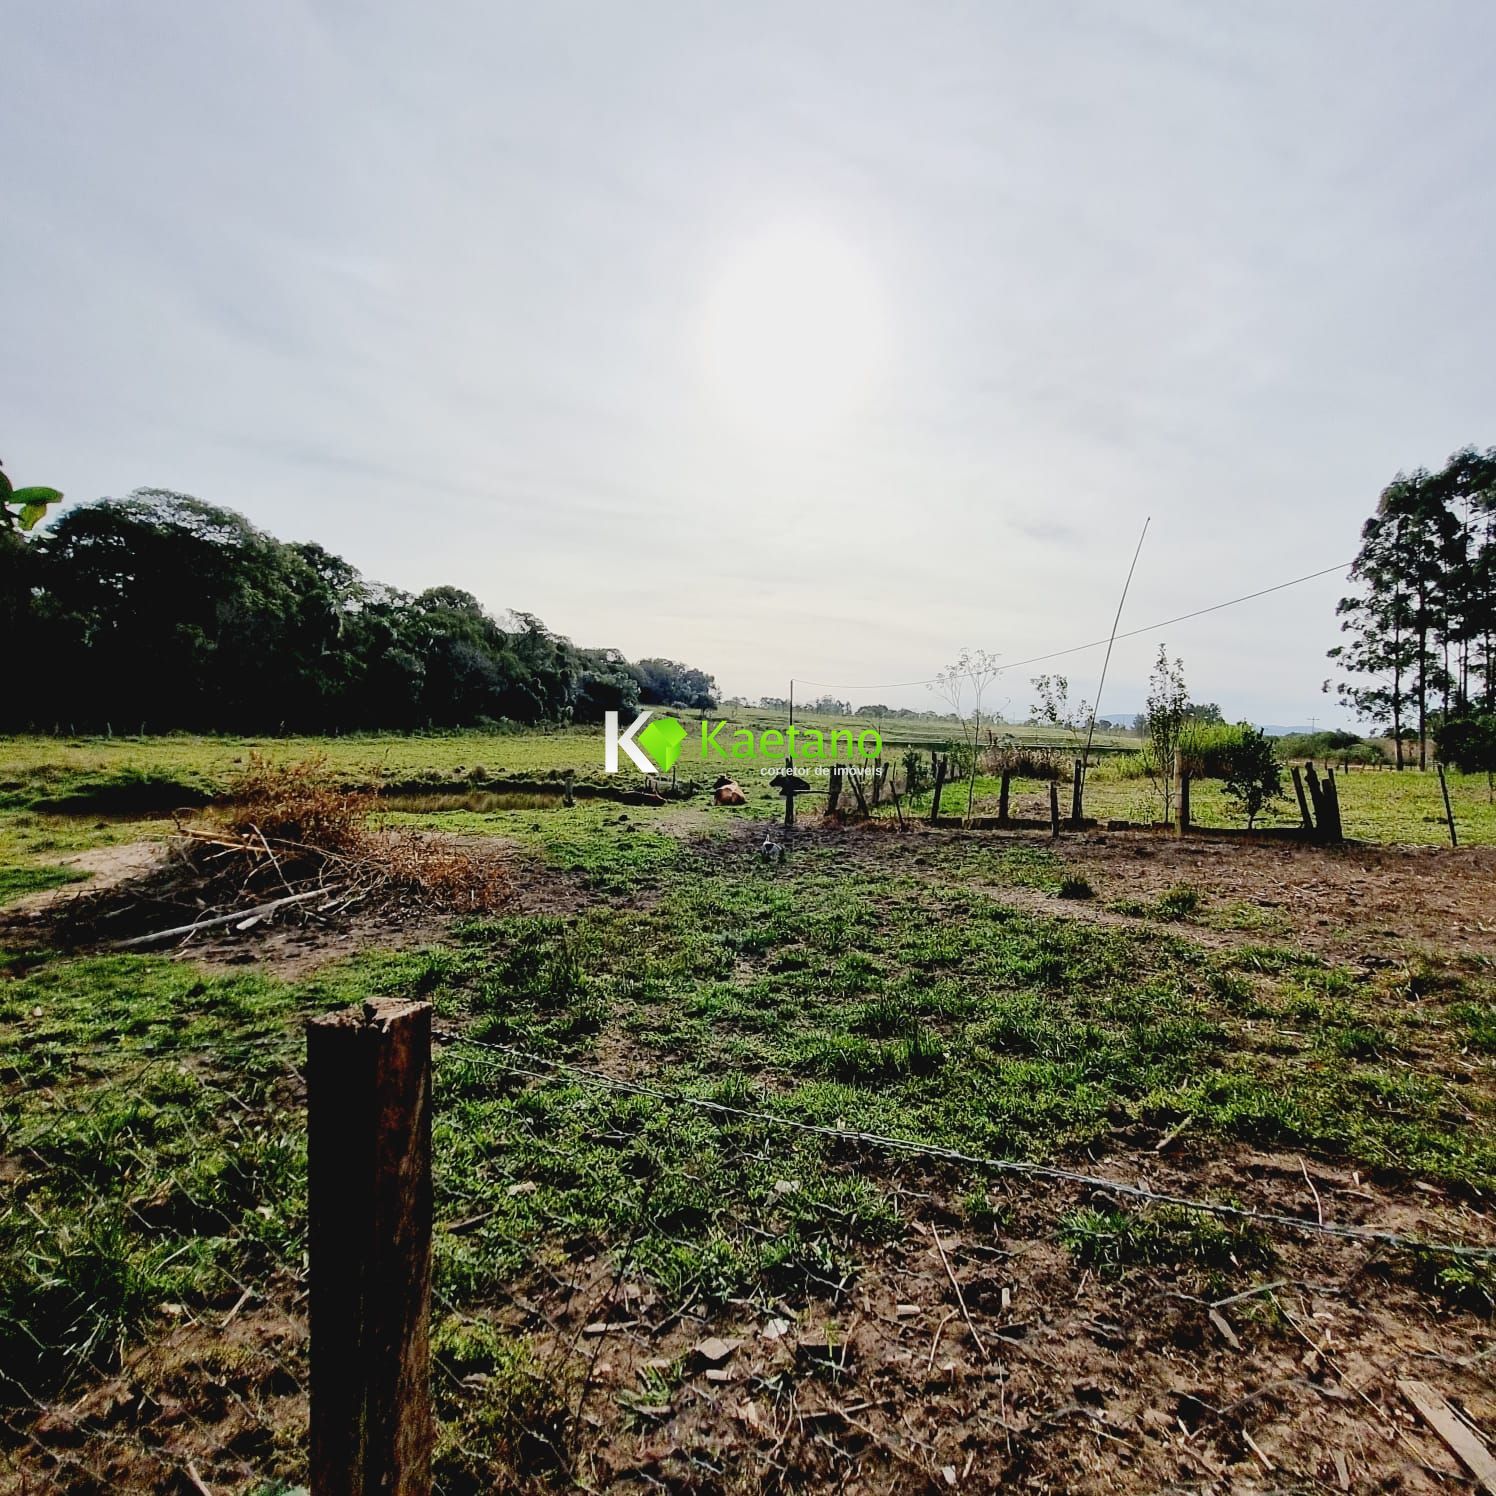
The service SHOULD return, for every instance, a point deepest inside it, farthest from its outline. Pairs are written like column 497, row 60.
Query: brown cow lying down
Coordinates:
column 727, row 792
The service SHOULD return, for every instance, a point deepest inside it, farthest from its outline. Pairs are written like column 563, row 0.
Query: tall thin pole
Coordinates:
column 789, row 769
column 1116, row 623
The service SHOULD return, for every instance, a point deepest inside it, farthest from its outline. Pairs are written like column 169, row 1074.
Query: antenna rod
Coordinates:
column 1085, row 762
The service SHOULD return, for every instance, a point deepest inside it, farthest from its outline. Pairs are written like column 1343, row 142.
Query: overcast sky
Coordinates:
column 790, row 340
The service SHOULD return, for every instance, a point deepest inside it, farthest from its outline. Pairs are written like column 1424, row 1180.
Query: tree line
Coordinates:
column 165, row 611
column 1420, row 660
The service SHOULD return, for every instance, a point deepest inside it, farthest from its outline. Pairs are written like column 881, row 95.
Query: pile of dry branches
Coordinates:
column 292, row 839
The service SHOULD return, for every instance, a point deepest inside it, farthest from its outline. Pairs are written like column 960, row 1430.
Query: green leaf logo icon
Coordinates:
column 662, row 739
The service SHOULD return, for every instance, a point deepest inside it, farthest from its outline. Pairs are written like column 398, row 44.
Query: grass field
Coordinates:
column 931, row 987
column 112, row 775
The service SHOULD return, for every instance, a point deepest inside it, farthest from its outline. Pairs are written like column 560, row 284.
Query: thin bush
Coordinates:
column 1207, row 750
column 1334, row 745
column 1024, row 760
column 298, row 805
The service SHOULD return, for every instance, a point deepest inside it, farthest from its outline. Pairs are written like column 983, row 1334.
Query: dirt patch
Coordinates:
column 107, row 867
column 217, row 1402
column 990, row 1360
column 1355, row 903
column 1351, row 902
column 1016, row 1367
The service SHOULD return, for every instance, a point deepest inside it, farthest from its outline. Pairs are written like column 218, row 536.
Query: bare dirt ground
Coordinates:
column 960, row 1359
column 986, row 1362
column 106, row 867
column 1361, row 903
column 979, row 1363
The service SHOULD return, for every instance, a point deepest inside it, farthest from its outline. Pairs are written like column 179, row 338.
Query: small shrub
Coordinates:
column 1178, row 902
column 1254, row 777
column 1469, row 743
column 1462, row 1282
column 498, row 1402
column 1112, row 1240
column 1073, row 886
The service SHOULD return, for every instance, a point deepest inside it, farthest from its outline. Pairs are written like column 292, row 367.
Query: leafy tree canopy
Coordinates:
column 164, row 610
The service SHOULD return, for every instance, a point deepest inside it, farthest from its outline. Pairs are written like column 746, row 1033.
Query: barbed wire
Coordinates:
column 1367, row 1235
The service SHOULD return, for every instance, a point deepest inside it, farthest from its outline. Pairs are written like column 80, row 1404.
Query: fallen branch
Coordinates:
column 220, row 919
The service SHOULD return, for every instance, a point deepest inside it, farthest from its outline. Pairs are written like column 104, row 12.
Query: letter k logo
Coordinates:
column 663, row 739
column 615, row 741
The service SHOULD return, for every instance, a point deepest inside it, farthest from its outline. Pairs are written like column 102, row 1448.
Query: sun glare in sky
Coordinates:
column 795, row 329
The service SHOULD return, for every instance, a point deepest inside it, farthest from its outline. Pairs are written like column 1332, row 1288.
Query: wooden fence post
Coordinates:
column 1002, row 797
column 1054, row 808
column 1182, row 805
column 939, row 785
column 1298, row 789
column 856, row 782
column 893, row 789
column 1077, row 779
column 833, row 792
column 1448, row 810
column 1334, row 829
column 1316, row 798
column 369, row 1210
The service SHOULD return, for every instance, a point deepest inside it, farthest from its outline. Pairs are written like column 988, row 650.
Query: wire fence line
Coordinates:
column 84, row 1437
column 518, row 1062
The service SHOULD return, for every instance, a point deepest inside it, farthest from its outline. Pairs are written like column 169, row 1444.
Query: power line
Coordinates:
column 1367, row 1234
column 891, row 685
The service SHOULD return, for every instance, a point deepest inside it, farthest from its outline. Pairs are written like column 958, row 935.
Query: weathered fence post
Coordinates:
column 1002, row 797
column 856, row 781
column 1054, row 808
column 1298, row 789
column 1333, row 828
column 1182, row 804
column 1448, row 810
column 833, row 792
column 1316, row 798
column 369, row 1209
column 1077, row 780
column 789, row 795
column 939, row 785
column 893, row 789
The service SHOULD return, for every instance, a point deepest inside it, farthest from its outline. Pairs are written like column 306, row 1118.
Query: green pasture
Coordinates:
column 109, row 784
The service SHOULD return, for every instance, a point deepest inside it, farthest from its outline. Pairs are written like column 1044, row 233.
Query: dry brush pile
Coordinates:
column 289, row 843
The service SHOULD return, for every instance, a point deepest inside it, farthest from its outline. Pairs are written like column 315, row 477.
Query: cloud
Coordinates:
column 429, row 287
